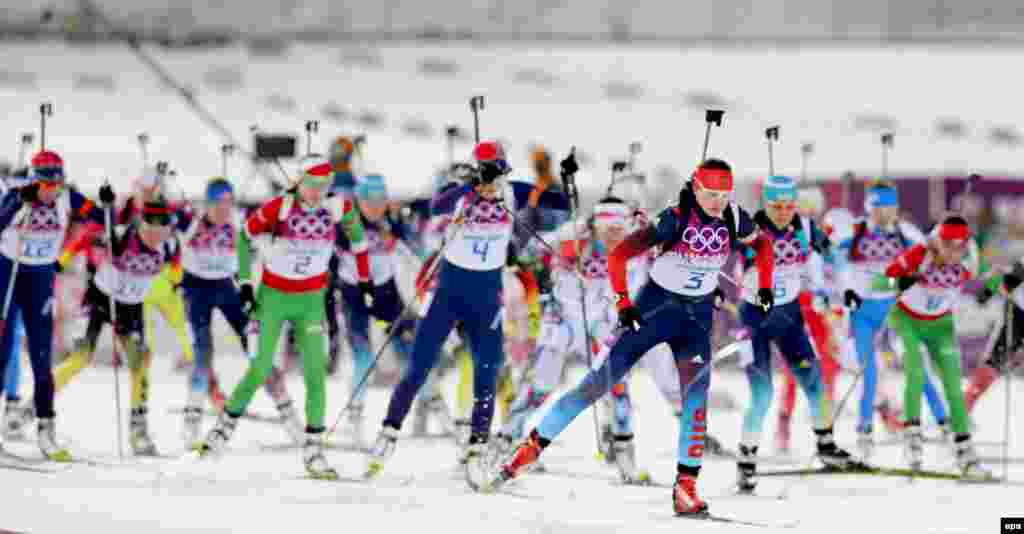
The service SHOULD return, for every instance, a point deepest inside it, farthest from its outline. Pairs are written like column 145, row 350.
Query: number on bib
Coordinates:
column 303, row 264
column 780, row 292
column 934, row 303
column 696, row 280
column 481, row 250
column 127, row 289
column 37, row 248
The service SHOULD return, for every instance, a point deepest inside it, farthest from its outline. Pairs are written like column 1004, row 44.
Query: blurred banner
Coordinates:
column 577, row 20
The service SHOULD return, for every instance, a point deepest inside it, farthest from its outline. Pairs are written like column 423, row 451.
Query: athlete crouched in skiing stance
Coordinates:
column 140, row 250
column 565, row 332
column 469, row 290
column 33, row 223
column 305, row 225
column 792, row 239
column 930, row 277
column 696, row 237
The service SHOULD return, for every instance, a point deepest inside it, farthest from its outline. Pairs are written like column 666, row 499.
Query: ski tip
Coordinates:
column 61, row 456
column 372, row 470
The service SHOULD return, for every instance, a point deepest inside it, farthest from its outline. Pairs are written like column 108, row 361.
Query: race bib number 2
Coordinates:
column 302, row 264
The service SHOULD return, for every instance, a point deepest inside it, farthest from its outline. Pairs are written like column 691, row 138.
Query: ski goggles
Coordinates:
column 783, row 205
column 881, row 197
column 608, row 215
column 49, row 178
column 47, row 186
column 154, row 217
column 720, row 196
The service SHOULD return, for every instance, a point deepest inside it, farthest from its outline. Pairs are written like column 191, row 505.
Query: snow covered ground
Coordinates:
column 253, row 490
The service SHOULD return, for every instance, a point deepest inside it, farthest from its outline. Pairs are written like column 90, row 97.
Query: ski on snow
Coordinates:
column 707, row 516
column 863, row 470
column 15, row 462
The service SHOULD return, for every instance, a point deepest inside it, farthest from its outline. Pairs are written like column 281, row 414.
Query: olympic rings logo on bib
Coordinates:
column 313, row 226
column 42, row 219
column 788, row 251
column 945, row 277
column 880, row 247
column 707, row 239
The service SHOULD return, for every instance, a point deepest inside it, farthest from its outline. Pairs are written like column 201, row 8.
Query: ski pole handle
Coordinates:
column 887, row 144
column 476, row 104
column 771, row 135
column 45, row 110
column 711, row 116
column 311, row 128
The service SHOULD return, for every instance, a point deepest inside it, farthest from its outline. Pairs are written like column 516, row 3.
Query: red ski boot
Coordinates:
column 685, row 500
column 526, row 454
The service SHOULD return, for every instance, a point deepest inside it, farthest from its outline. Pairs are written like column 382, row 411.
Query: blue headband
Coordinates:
column 216, row 189
column 879, row 197
column 371, row 187
column 779, row 188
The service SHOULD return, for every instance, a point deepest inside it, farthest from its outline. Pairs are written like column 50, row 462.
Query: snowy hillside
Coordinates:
column 595, row 98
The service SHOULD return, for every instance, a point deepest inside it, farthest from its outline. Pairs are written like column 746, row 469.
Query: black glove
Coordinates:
column 984, row 295
column 629, row 317
column 718, row 298
column 30, row 193
column 1011, row 281
column 489, row 173
column 333, row 350
column 766, row 298
column 997, row 360
column 569, row 165
column 852, row 299
column 904, row 282
column 248, row 298
column 366, row 288
column 107, row 195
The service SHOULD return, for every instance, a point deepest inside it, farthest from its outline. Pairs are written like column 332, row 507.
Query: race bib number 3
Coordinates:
column 695, row 281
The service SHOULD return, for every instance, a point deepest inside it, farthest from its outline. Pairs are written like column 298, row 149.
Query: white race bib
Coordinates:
column 124, row 287
column 297, row 260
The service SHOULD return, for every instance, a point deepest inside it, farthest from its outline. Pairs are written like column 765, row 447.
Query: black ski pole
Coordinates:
column 887, row 145
column 225, row 154
column 45, row 111
column 711, row 116
column 23, row 148
column 476, row 104
column 143, row 139
column 771, row 135
column 312, row 127
column 806, row 150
